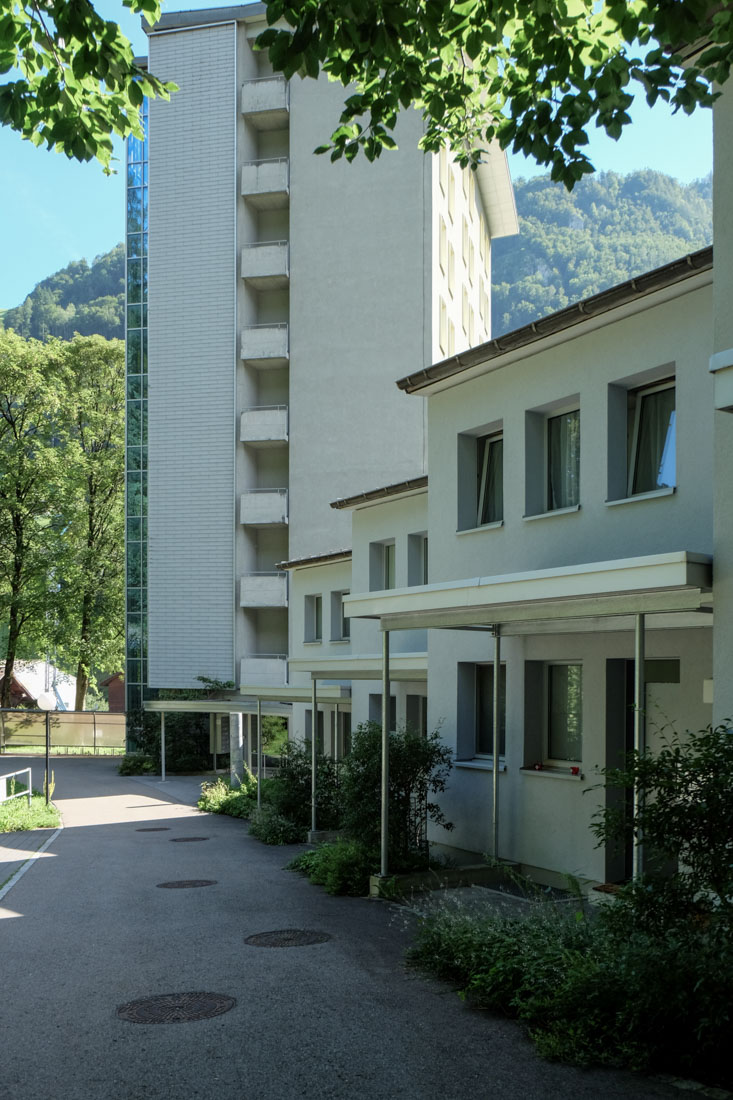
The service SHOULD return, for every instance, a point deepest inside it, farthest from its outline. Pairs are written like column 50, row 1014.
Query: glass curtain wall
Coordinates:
column 136, row 417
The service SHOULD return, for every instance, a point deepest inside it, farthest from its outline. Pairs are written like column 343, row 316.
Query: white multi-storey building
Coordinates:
column 275, row 297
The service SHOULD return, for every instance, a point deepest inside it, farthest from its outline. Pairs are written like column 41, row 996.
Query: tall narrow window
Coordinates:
column 651, row 443
column 313, row 619
column 564, row 712
column 490, row 479
column 485, row 710
column 340, row 624
column 563, row 460
column 389, row 565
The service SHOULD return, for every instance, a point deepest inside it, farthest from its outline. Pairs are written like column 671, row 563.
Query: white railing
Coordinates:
column 4, row 785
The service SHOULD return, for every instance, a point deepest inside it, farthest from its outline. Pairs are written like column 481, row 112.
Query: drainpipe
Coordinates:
column 385, row 755
column 259, row 753
column 639, row 728
column 162, row 747
column 497, row 724
column 314, row 748
column 236, row 747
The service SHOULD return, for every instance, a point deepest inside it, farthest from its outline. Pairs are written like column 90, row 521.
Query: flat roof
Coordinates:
column 623, row 293
column 399, row 488
column 200, row 17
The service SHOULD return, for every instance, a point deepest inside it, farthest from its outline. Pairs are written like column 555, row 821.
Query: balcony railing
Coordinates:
column 263, row 590
column 266, row 264
column 266, row 183
column 265, row 102
column 264, row 507
column 264, row 426
column 265, row 345
column 264, row 670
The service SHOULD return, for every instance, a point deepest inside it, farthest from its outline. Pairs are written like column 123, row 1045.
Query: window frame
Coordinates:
column 549, row 418
column 340, row 626
column 313, row 618
column 637, row 395
column 480, row 754
column 484, row 445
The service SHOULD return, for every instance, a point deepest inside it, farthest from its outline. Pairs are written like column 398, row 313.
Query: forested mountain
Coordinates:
column 608, row 229
column 79, row 298
column 571, row 245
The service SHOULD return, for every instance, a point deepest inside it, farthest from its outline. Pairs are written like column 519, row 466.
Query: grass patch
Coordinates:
column 17, row 816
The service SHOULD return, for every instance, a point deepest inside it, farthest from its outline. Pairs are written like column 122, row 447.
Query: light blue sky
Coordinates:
column 55, row 211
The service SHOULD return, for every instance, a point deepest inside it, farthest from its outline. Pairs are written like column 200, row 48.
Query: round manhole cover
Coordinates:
column 155, row 829
column 287, row 937
column 186, row 884
column 186, row 839
column 175, row 1008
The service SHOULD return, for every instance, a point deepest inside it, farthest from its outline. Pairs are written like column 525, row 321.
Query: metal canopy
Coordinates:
column 295, row 694
column 209, row 706
column 404, row 667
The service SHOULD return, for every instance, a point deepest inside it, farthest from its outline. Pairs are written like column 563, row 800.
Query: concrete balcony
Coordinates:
column 264, row 507
column 263, row 590
column 264, row 670
column 264, row 426
column 266, row 102
column 266, row 265
column 265, row 346
column 266, row 183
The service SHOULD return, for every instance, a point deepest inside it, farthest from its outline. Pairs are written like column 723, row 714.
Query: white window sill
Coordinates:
column 313, row 641
column 553, row 773
column 340, row 641
column 479, row 765
column 484, row 527
column 666, row 492
column 554, row 512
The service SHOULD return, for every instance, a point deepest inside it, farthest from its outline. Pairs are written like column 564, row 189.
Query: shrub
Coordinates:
column 221, row 797
column 289, row 792
column 272, row 828
column 418, row 768
column 342, row 867
column 137, row 763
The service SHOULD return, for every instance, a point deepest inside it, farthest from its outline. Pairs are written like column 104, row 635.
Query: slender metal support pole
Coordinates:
column 314, row 750
column 162, row 747
column 639, row 727
column 48, row 757
column 384, row 868
column 497, row 734
column 336, row 733
column 236, row 748
column 259, row 753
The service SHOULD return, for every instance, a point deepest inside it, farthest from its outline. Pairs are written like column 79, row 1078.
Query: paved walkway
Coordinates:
column 86, row 929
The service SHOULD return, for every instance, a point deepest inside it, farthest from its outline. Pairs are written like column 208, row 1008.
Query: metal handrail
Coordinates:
column 265, row 160
column 272, row 324
column 263, row 244
column 20, row 794
column 257, row 79
column 281, row 491
column 259, row 408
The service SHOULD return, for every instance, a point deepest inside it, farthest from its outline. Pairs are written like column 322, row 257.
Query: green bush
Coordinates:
column 137, row 763
column 418, row 768
column 342, row 867
column 272, row 828
column 221, row 797
column 289, row 791
column 594, row 990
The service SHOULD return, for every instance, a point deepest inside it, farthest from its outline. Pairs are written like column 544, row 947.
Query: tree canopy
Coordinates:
column 73, row 78
column 533, row 76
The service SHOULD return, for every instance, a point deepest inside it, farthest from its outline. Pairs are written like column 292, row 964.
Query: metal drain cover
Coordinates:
column 287, row 937
column 186, row 839
column 175, row 1008
column 155, row 829
column 186, row 883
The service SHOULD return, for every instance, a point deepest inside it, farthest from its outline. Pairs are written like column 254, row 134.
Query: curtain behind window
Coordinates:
column 655, row 465
column 563, row 460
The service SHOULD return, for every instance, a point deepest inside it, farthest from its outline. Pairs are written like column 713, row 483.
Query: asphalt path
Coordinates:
column 87, row 929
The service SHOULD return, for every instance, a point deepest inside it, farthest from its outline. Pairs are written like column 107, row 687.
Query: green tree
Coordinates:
column 31, row 493
column 92, row 559
column 534, row 76
column 74, row 78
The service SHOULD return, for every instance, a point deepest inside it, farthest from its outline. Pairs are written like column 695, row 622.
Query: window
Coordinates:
column 443, row 245
column 375, row 710
column 472, row 191
column 471, row 327
column 564, row 710
column 443, row 168
column 381, row 566
column 563, row 460
column 313, row 619
column 464, row 240
column 471, row 261
column 417, row 559
column 451, row 269
column 651, row 439
column 443, row 336
column 416, row 713
column 340, row 625
column 451, row 338
column 451, row 192
column 484, row 710
column 465, row 310
column 490, row 479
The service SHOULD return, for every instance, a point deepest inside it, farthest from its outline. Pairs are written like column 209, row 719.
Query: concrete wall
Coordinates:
column 359, row 317
column 191, row 421
column 672, row 338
